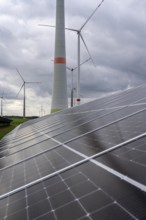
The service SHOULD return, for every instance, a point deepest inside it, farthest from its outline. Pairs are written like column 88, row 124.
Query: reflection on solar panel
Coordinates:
column 87, row 162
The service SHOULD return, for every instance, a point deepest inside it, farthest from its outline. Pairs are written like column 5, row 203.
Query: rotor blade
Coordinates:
column 32, row 82
column 4, row 100
column 72, row 29
column 20, row 90
column 2, row 95
column 91, row 15
column 87, row 49
column 83, row 63
column 68, row 68
column 20, row 74
column 47, row 25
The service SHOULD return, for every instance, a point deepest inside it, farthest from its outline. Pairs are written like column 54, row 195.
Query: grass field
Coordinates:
column 6, row 129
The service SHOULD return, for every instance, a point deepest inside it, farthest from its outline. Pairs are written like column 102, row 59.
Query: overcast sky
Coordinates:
column 115, row 37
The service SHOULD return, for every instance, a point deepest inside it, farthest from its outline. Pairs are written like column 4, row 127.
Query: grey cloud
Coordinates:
column 24, row 9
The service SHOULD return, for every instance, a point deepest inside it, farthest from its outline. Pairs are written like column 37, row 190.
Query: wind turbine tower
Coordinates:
column 1, row 106
column 59, row 93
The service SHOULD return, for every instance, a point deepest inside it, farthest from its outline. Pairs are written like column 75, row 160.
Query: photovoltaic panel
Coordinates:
column 86, row 162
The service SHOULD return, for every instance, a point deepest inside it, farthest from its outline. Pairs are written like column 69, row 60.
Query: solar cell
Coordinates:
column 86, row 162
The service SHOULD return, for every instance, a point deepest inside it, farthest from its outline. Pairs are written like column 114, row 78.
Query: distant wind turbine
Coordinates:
column 78, row 31
column 2, row 104
column 24, row 92
column 72, row 87
column 72, row 70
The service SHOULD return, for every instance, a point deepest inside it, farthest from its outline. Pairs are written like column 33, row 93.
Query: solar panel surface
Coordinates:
column 87, row 162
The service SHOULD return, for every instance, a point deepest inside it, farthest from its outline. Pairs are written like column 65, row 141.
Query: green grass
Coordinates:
column 6, row 129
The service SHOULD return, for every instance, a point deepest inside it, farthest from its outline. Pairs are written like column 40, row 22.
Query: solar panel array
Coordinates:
column 87, row 162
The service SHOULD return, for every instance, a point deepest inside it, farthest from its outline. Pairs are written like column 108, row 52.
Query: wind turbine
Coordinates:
column 2, row 100
column 24, row 92
column 2, row 105
column 80, row 37
column 72, row 70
